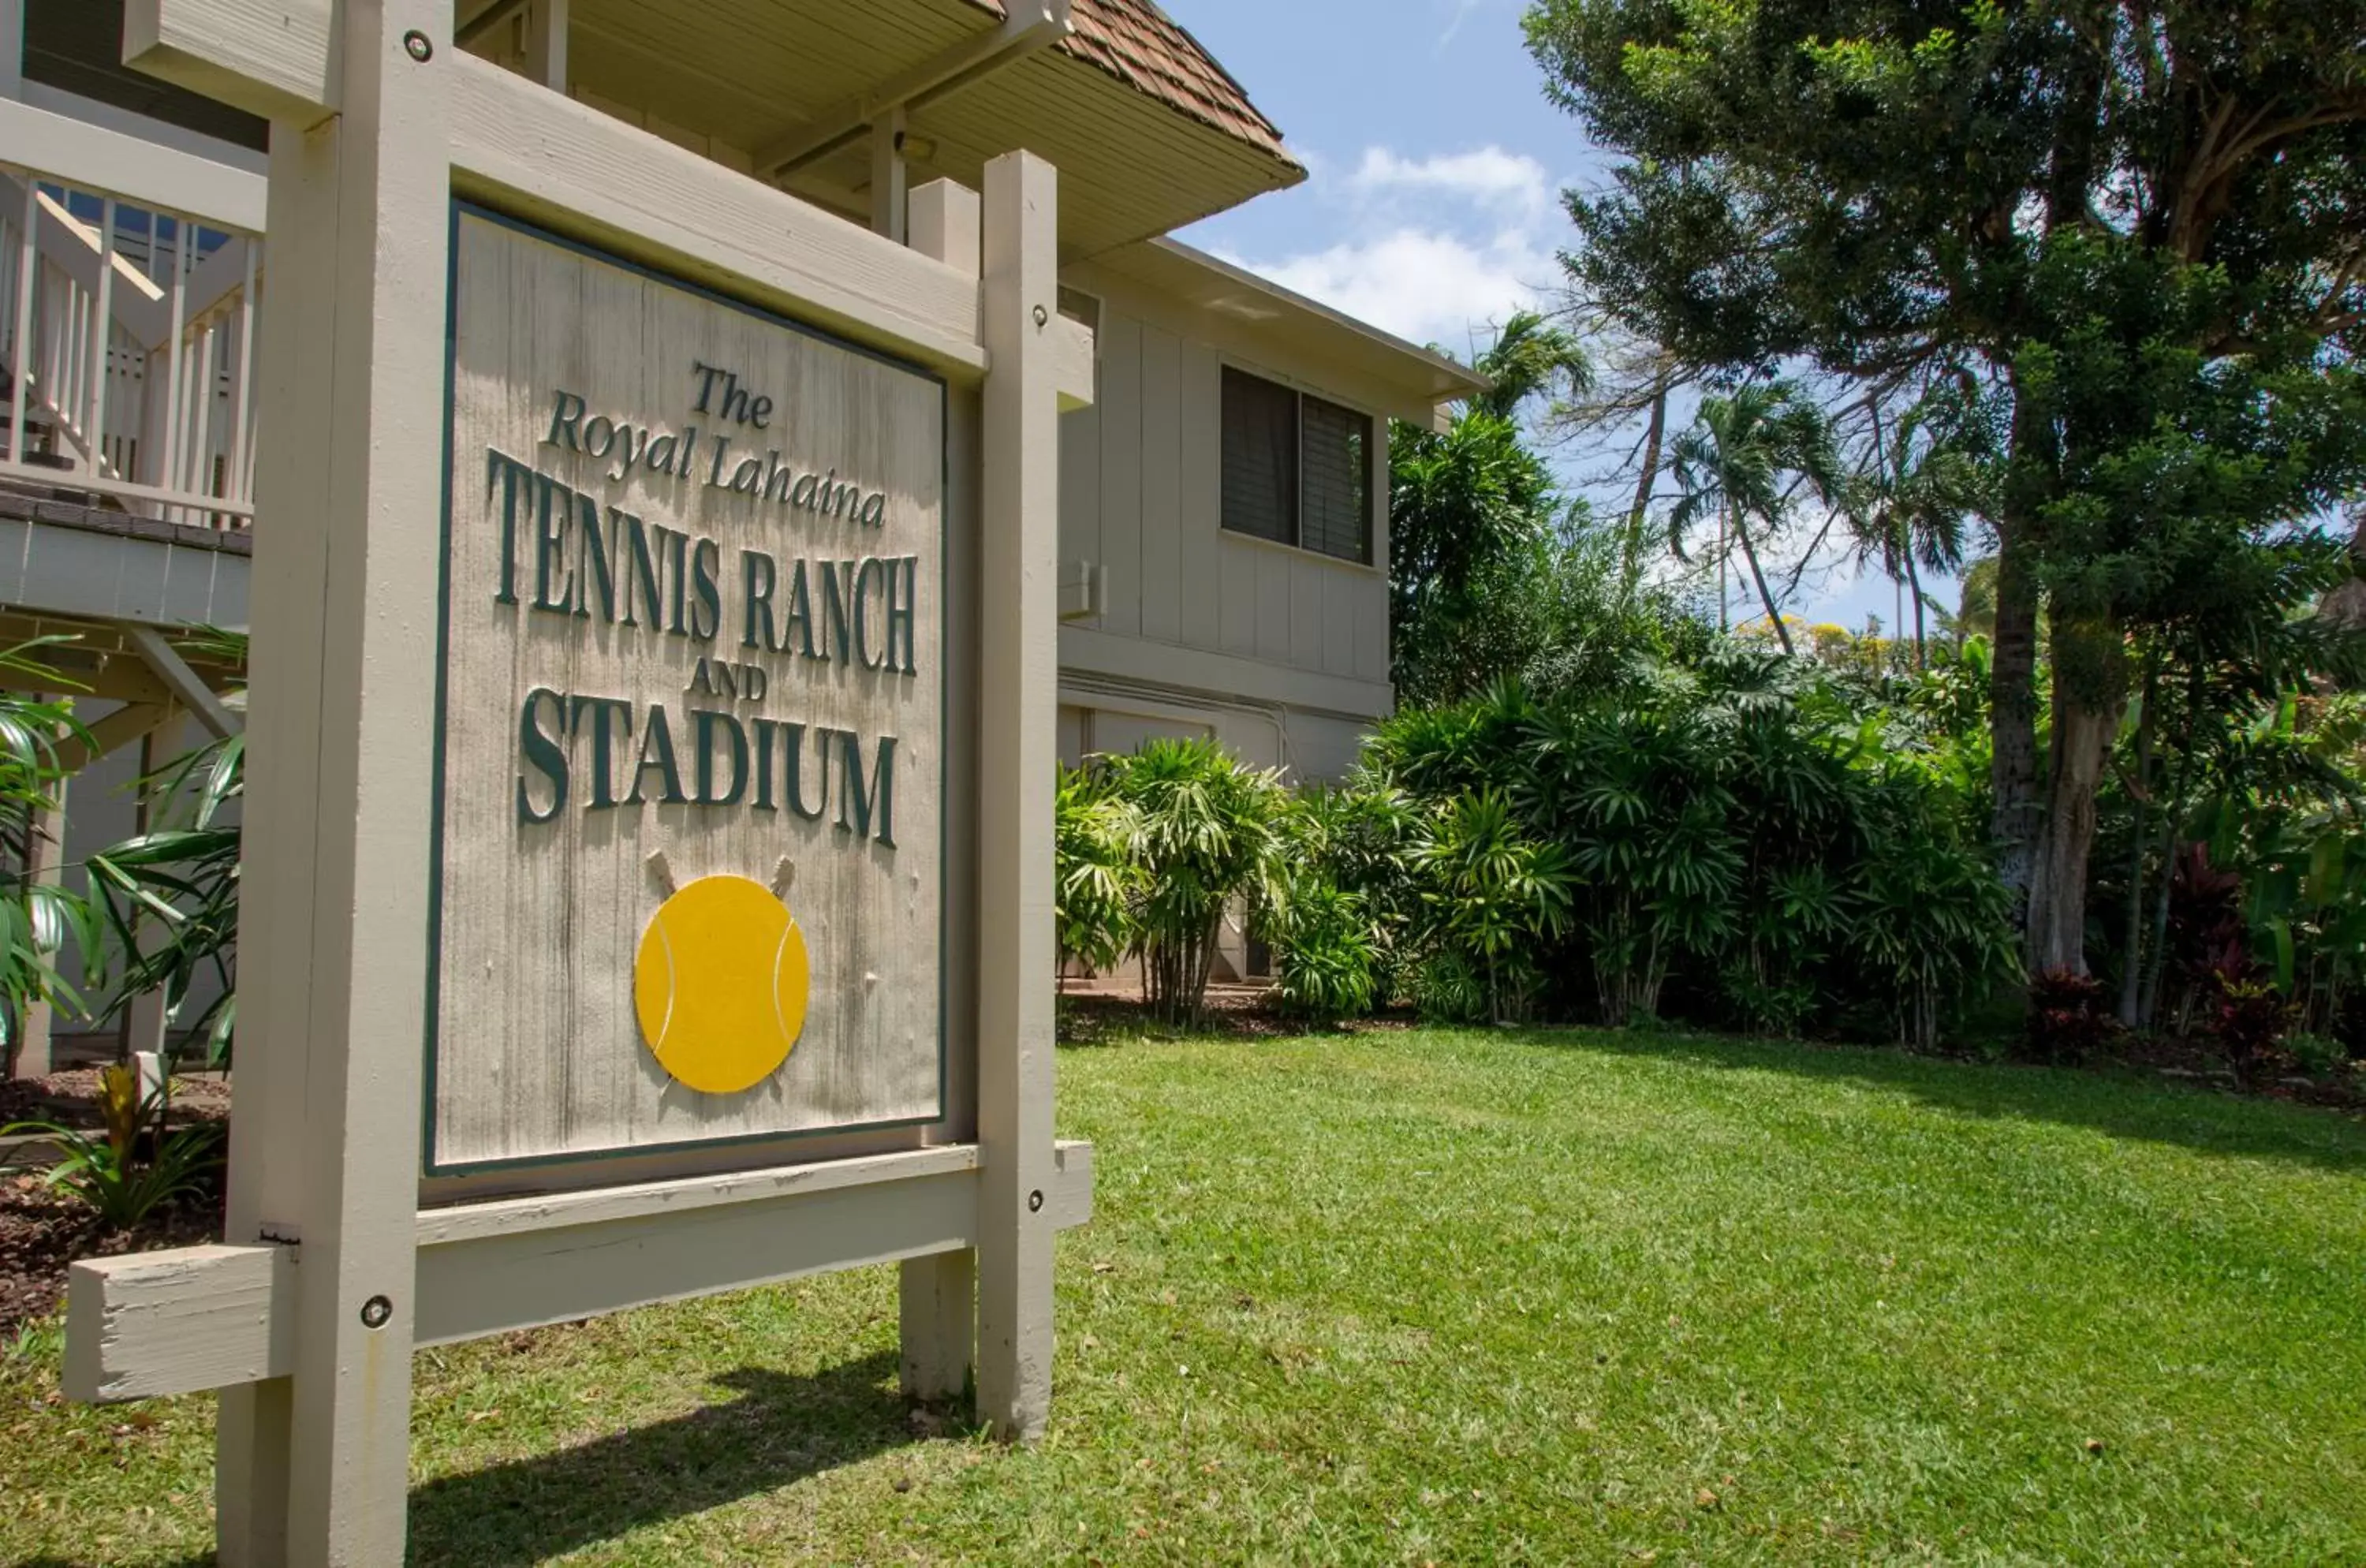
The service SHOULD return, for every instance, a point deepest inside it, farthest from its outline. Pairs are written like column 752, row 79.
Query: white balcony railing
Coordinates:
column 127, row 352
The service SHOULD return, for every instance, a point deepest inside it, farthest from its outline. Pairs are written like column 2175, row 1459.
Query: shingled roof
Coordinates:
column 1142, row 47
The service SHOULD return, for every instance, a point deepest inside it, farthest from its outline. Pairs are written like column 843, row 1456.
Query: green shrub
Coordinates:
column 1326, row 959
column 1360, row 840
column 2319, row 1056
column 1097, row 849
column 1744, row 840
column 136, row 1166
column 1492, row 895
column 1213, row 830
column 1447, row 990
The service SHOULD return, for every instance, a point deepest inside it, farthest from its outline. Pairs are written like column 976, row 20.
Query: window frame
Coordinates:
column 1375, row 434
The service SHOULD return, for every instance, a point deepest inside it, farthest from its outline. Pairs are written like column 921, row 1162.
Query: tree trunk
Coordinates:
column 2089, row 698
column 1765, row 596
column 1631, row 568
column 2018, row 813
column 2132, row 964
column 1914, row 587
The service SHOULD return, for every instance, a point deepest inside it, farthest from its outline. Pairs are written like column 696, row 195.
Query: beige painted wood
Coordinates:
column 273, row 58
column 1199, row 492
column 1018, row 681
column 1080, row 509
column 188, row 689
column 268, row 1193
column 157, row 1324
column 1085, row 650
column 944, row 220
column 1121, row 498
column 538, row 1048
column 95, row 158
column 479, row 1288
column 650, row 1200
column 936, row 1294
column 315, row 1470
column 1026, row 28
column 937, row 1319
column 569, row 165
column 165, row 1323
column 1074, row 368
column 545, row 43
column 888, row 188
column 1162, row 482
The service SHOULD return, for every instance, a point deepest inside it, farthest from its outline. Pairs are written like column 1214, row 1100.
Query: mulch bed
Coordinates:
column 42, row 1231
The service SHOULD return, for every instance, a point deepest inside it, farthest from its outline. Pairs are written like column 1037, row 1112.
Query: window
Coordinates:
column 1297, row 471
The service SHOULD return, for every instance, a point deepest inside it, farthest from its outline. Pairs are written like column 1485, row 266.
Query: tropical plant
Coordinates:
column 2069, row 1017
column 1326, row 958
column 2134, row 226
column 36, row 914
column 1740, row 465
column 1212, row 837
column 169, row 897
column 1097, row 849
column 136, row 1164
column 1358, row 839
column 1923, row 483
column 1493, row 895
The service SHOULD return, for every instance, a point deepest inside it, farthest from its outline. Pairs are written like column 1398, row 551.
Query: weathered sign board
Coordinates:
column 690, row 844
column 647, row 880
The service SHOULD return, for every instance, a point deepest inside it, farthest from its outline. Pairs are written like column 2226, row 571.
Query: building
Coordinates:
column 1224, row 507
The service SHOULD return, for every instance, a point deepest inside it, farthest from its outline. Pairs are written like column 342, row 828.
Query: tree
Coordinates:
column 1468, row 508
column 2141, row 223
column 1922, row 482
column 1731, row 465
column 1531, row 359
column 1489, row 568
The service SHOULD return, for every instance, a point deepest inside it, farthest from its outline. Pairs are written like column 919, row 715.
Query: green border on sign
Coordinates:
column 430, row 1167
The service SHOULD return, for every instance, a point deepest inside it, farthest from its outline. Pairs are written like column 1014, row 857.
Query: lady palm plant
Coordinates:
column 166, row 900
column 35, row 915
column 1211, row 836
column 1492, row 893
column 169, row 897
column 1097, row 848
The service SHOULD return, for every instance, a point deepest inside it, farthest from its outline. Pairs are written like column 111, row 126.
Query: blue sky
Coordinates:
column 1435, row 166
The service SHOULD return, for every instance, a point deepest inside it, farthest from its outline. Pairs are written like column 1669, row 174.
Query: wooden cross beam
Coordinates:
column 213, row 1318
column 272, row 57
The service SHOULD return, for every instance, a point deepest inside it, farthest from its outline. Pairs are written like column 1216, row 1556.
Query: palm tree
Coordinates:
column 1731, row 465
column 1530, row 357
column 1908, row 505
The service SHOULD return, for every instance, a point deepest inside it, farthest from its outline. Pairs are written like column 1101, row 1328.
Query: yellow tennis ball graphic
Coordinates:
column 720, row 984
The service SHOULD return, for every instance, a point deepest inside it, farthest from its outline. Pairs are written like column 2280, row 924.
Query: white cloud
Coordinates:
column 1488, row 176
column 1430, row 248
column 1424, row 285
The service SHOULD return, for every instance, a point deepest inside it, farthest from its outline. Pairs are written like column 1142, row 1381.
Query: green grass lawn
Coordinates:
column 1471, row 1298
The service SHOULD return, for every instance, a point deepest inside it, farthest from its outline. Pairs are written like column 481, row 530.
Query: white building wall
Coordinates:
column 1300, row 641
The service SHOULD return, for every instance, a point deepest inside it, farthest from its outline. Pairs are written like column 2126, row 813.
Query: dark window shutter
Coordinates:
column 1338, row 518
column 1260, row 457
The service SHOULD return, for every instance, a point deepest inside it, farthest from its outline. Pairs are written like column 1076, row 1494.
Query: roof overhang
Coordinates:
column 1408, row 381
column 1146, row 131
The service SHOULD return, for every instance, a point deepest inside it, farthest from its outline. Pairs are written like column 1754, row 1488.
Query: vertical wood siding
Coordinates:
column 1140, row 496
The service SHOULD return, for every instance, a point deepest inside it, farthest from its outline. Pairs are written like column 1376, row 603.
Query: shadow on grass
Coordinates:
column 2123, row 1103
column 780, row 1431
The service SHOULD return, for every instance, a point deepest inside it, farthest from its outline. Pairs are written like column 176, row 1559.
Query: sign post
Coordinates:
column 649, row 881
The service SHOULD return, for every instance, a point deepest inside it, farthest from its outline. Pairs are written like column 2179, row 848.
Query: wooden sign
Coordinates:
column 688, row 839
column 651, row 738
